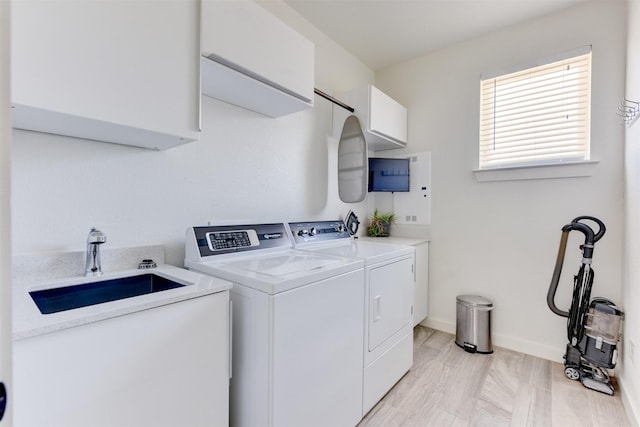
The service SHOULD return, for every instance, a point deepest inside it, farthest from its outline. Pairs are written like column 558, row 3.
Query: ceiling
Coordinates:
column 386, row 32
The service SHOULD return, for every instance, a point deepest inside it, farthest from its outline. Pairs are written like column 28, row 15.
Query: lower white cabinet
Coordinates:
column 166, row 366
column 421, row 290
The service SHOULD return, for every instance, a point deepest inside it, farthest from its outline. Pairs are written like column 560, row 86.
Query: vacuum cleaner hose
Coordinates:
column 551, row 293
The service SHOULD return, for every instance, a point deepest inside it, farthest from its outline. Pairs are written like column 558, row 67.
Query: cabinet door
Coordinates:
column 386, row 116
column 414, row 207
column 166, row 366
column 421, row 293
column 246, row 37
column 118, row 71
column 384, row 121
column 390, row 299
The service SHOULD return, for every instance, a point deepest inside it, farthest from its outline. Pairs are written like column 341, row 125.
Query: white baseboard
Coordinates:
column 440, row 325
column 630, row 405
column 505, row 341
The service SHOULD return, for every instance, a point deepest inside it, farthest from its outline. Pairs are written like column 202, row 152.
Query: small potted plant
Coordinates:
column 380, row 223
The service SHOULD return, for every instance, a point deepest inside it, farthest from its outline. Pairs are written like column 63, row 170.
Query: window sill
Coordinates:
column 558, row 170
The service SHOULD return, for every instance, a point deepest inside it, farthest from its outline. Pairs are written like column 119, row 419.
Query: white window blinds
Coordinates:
column 536, row 116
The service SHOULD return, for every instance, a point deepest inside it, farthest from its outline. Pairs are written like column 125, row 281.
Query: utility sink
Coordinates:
column 69, row 297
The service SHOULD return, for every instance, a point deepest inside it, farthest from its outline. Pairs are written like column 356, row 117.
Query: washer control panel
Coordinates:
column 222, row 240
column 206, row 241
column 318, row 231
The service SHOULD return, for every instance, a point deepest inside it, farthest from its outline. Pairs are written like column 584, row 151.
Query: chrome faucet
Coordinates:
column 93, row 266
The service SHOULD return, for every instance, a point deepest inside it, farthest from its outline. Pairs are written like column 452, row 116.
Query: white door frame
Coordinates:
column 5, row 206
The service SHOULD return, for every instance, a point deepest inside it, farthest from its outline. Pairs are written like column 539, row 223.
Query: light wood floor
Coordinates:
column 448, row 387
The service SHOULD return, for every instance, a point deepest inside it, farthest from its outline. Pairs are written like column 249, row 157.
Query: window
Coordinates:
column 537, row 116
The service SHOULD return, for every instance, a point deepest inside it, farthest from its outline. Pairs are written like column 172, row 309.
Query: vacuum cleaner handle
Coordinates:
column 589, row 239
column 601, row 228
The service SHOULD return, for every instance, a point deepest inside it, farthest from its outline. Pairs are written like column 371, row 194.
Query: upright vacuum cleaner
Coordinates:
column 593, row 328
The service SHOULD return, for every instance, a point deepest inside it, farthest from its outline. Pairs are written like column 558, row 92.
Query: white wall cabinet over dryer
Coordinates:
column 384, row 120
column 253, row 60
column 122, row 72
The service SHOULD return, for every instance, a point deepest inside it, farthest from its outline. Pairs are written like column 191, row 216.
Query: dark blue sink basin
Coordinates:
column 76, row 296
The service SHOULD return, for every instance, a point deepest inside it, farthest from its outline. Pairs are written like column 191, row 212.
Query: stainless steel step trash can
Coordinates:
column 473, row 323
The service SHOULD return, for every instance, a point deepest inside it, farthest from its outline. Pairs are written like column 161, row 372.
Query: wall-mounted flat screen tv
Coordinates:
column 391, row 175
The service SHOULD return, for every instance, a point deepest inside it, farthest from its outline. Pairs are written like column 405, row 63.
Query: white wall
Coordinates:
column 495, row 239
column 630, row 375
column 245, row 166
column 500, row 239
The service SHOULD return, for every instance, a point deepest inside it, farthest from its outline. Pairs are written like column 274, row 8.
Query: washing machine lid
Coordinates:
column 285, row 265
column 370, row 253
column 277, row 272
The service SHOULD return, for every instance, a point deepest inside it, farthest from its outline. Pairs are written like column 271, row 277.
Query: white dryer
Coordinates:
column 389, row 283
column 298, row 319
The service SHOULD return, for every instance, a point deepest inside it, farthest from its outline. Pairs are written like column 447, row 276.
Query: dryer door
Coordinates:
column 390, row 300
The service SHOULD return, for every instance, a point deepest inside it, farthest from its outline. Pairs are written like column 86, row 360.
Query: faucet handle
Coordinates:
column 93, row 266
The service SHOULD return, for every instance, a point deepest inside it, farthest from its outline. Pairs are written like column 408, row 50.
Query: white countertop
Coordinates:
column 404, row 235
column 396, row 240
column 29, row 322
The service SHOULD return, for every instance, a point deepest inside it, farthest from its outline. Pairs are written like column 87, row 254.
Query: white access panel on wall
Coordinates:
column 414, row 207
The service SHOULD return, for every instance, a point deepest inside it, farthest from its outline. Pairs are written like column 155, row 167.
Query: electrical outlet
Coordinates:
column 633, row 352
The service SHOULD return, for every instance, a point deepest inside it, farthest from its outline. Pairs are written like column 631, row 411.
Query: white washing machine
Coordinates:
column 298, row 321
column 389, row 282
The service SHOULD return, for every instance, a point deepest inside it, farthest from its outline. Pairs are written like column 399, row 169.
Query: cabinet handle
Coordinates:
column 230, row 339
column 377, row 308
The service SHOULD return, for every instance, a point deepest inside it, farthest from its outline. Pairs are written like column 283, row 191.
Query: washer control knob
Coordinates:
column 312, row 231
column 303, row 232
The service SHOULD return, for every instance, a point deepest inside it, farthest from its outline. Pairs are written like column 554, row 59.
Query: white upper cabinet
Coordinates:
column 117, row 71
column 253, row 60
column 383, row 119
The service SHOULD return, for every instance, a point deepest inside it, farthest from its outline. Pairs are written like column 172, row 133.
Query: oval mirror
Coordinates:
column 352, row 162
